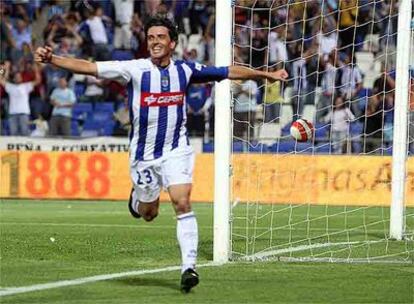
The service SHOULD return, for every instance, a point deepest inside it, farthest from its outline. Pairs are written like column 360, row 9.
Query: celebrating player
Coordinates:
column 160, row 153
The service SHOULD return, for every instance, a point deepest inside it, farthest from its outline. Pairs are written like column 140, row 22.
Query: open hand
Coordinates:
column 43, row 54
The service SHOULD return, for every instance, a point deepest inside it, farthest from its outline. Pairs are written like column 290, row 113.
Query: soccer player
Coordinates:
column 160, row 153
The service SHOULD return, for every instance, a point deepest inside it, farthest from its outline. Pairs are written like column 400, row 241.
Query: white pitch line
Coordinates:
column 154, row 226
column 265, row 254
column 89, row 225
column 7, row 291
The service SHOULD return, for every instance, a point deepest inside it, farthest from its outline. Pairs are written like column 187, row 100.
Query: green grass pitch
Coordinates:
column 49, row 241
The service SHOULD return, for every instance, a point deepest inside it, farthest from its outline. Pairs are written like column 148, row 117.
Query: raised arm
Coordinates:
column 4, row 73
column 38, row 78
column 244, row 73
column 79, row 66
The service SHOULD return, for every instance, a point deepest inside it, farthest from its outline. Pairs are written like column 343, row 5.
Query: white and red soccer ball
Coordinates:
column 302, row 130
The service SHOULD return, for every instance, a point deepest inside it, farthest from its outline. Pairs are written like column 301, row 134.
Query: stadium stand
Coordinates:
column 65, row 26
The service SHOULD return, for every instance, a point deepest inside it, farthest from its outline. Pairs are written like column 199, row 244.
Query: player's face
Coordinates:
column 159, row 42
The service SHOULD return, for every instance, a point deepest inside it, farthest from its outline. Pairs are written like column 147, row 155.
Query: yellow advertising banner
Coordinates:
column 270, row 178
column 321, row 179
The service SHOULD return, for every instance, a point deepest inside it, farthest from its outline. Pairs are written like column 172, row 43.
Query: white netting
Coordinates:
column 329, row 198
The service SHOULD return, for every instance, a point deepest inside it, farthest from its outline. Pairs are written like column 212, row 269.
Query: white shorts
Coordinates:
column 150, row 177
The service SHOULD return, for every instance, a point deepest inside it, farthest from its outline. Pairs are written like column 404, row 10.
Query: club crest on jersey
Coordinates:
column 165, row 82
column 161, row 99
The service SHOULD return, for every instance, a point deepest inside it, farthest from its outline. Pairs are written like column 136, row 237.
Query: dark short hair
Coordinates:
column 162, row 20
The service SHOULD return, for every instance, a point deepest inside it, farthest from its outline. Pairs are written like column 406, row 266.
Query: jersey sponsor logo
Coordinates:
column 162, row 99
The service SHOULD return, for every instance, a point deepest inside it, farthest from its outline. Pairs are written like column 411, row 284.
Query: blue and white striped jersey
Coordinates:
column 157, row 99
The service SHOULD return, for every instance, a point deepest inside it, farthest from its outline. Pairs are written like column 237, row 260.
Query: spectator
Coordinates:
column 138, row 42
column 114, row 91
column 96, row 31
column 258, row 49
column 41, row 127
column 272, row 100
column 52, row 75
column 19, row 107
column 198, row 105
column 94, row 89
column 62, row 99
column 340, row 117
column 164, row 9
column 300, row 87
column 22, row 33
column 54, row 9
column 244, row 111
column 192, row 55
column 72, row 30
column 199, row 12
column 124, row 11
column 387, row 23
column 351, row 83
column 6, row 37
column 63, row 35
column 37, row 98
column 304, row 73
column 277, row 46
column 151, row 6
column 121, row 116
column 348, row 12
column 67, row 48
column 379, row 103
column 19, row 11
column 328, row 83
column 327, row 40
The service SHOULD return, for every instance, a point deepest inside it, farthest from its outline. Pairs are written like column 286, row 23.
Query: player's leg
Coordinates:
column 177, row 175
column 14, row 124
column 187, row 234
column 147, row 210
column 126, row 36
column 118, row 37
column 24, row 124
column 144, row 196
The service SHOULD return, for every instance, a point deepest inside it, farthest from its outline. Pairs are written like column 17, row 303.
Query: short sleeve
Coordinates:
column 8, row 87
column 29, row 87
column 115, row 70
column 53, row 95
column 72, row 96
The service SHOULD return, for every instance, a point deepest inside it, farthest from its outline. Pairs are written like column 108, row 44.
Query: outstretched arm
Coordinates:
column 80, row 66
column 244, row 73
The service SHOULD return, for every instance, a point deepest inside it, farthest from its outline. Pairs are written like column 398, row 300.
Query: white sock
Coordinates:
column 187, row 235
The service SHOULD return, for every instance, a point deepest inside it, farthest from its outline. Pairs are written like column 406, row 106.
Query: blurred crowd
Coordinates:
column 318, row 43
column 315, row 41
column 92, row 30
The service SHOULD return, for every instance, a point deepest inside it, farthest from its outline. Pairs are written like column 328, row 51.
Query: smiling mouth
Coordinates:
column 156, row 49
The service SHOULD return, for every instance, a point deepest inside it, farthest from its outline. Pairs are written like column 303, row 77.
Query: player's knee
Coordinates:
column 182, row 206
column 149, row 216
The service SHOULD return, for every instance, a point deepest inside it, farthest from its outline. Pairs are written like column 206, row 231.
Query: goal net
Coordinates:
column 327, row 199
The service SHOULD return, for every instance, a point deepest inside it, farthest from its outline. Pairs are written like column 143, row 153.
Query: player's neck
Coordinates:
column 161, row 62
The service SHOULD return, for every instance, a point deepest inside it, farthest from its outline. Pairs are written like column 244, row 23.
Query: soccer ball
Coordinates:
column 302, row 130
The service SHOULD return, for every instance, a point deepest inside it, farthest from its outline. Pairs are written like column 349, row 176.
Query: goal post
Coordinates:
column 222, row 135
column 346, row 195
column 399, row 158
